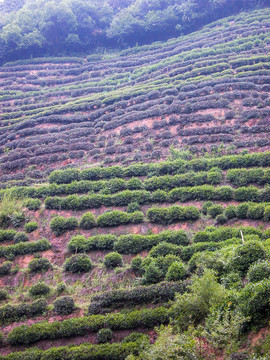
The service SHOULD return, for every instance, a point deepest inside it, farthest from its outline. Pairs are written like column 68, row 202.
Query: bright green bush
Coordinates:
column 152, row 275
column 136, row 264
column 241, row 211
column 113, row 260
column 254, row 301
column 176, row 272
column 163, row 249
column 78, row 263
column 205, row 206
column 232, row 281
column 230, row 212
column 30, row 226
column 201, row 236
column 132, row 207
column 113, row 218
column 258, row 271
column 255, row 212
column 214, row 210
column 87, row 221
column 59, row 224
column 246, row 255
column 64, row 305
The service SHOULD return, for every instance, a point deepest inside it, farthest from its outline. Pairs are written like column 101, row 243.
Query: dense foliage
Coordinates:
column 70, row 26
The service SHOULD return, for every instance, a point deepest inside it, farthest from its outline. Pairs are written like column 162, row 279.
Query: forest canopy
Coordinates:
column 58, row 27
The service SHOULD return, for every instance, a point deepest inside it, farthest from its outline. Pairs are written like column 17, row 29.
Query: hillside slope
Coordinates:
column 94, row 257
column 201, row 90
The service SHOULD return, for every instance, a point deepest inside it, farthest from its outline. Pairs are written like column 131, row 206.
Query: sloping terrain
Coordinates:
column 201, row 90
column 87, row 247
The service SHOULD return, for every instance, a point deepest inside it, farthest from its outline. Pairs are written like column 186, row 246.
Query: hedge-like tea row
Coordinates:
column 167, row 182
column 161, row 292
column 168, row 167
column 85, row 351
column 242, row 177
column 124, row 198
column 7, row 235
column 24, row 248
column 146, row 318
column 9, row 313
column 60, row 224
column 172, row 214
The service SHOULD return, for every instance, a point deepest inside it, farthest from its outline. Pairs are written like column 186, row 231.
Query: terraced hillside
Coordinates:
column 201, row 90
column 94, row 257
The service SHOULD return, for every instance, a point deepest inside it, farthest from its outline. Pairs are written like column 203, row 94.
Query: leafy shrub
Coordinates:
column 205, row 206
column 104, row 336
column 114, row 299
column 267, row 213
column 152, row 275
column 176, row 272
column 132, row 207
column 5, row 268
column 242, row 210
column 163, row 249
column 113, row 260
column 137, row 217
column 78, row 264
column 39, row 288
column 172, row 214
column 202, row 236
column 39, row 265
column 254, row 301
column 134, row 184
column 10, row 313
column 7, row 235
column 230, row 212
column 87, row 221
column 60, row 224
column 255, row 212
column 214, row 210
column 20, row 237
column 232, row 281
column 116, row 321
column 17, row 218
column 134, row 336
column 136, row 264
column 3, row 294
column 64, row 305
column 30, row 226
column 61, row 287
column 247, row 254
column 33, row 204
column 221, row 219
column 113, row 218
column 24, row 248
column 258, row 271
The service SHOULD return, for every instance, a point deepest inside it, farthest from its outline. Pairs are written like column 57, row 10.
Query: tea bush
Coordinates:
column 78, row 264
